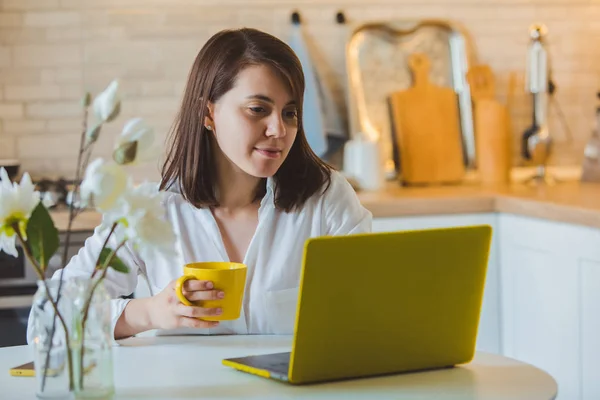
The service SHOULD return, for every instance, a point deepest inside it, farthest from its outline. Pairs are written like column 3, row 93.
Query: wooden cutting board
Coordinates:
column 492, row 127
column 427, row 128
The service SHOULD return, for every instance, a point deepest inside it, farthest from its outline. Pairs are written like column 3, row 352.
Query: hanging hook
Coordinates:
column 295, row 18
column 340, row 17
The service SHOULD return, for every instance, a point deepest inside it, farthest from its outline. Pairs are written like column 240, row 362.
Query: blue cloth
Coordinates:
column 312, row 119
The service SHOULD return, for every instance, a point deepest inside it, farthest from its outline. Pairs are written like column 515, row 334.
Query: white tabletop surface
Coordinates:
column 186, row 367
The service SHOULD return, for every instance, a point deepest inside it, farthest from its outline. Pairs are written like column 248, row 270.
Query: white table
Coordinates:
column 186, row 367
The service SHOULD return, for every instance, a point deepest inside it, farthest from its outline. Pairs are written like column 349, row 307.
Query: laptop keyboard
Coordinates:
column 278, row 363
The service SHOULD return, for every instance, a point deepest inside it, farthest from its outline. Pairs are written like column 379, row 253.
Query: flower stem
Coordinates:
column 67, row 339
column 57, row 313
column 66, row 247
column 88, row 302
column 112, row 229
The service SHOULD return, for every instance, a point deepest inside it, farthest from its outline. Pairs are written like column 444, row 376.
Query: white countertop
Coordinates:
column 190, row 367
column 570, row 201
column 20, row 301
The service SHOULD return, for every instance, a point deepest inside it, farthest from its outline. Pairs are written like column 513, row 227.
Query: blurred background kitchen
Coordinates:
column 53, row 50
column 440, row 113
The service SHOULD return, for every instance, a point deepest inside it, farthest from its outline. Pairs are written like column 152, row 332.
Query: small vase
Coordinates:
column 51, row 355
column 91, row 342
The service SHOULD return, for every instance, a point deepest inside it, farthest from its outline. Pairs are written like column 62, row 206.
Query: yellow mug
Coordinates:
column 228, row 277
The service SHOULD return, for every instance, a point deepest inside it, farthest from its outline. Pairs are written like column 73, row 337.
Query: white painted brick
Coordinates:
column 160, row 88
column 70, row 125
column 30, row 4
column 97, row 77
column 62, row 75
column 8, row 146
column 198, row 32
column 63, row 35
column 179, row 86
column 93, row 33
column 177, row 72
column 53, row 110
column 72, row 4
column 95, row 17
column 42, row 167
column 42, row 146
column 16, row 76
column 52, row 18
column 180, row 52
column 20, row 36
column 71, row 92
column 148, row 3
column 10, row 20
column 32, row 92
column 24, row 126
column 150, row 44
column 137, row 17
column 143, row 53
column 46, row 55
column 185, row 17
column 158, row 105
column 5, row 59
column 11, row 110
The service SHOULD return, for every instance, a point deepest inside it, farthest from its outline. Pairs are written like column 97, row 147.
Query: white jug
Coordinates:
column 362, row 162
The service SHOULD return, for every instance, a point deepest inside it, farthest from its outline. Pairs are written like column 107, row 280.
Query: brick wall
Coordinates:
column 50, row 50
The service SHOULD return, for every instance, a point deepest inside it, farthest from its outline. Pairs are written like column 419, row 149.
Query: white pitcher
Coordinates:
column 362, row 162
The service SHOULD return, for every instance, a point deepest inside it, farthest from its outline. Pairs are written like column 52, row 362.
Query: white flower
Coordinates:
column 8, row 244
column 135, row 203
column 17, row 202
column 107, row 103
column 137, row 130
column 103, row 184
column 140, row 214
column 153, row 236
column 49, row 199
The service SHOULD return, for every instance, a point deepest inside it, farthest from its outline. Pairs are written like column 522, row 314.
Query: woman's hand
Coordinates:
column 167, row 312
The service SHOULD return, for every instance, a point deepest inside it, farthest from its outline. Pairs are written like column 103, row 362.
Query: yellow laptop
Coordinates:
column 383, row 303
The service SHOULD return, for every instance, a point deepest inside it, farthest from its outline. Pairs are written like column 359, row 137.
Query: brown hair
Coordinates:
column 190, row 162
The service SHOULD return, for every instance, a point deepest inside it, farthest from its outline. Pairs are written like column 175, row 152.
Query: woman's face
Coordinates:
column 255, row 123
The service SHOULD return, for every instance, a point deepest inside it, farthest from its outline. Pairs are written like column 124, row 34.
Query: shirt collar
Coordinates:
column 269, row 194
column 270, row 185
column 270, row 191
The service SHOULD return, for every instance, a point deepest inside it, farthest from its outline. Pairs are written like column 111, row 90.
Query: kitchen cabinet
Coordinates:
column 542, row 295
column 488, row 337
column 550, row 280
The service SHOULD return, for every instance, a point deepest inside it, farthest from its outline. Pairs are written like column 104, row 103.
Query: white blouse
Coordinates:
column 273, row 257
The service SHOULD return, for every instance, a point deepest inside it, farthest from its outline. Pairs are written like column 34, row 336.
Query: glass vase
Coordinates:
column 51, row 352
column 91, row 342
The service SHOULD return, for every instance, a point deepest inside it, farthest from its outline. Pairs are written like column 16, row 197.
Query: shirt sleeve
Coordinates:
column 343, row 212
column 117, row 283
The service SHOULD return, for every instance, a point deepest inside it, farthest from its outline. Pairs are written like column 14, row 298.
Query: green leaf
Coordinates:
column 115, row 113
column 92, row 134
column 125, row 153
column 42, row 235
column 115, row 263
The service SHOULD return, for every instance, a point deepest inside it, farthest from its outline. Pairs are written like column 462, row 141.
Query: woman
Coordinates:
column 242, row 185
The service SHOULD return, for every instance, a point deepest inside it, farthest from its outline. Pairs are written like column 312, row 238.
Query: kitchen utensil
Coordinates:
column 428, row 129
column 536, row 140
column 12, row 168
column 53, row 192
column 377, row 63
column 362, row 163
column 492, row 131
column 591, row 154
